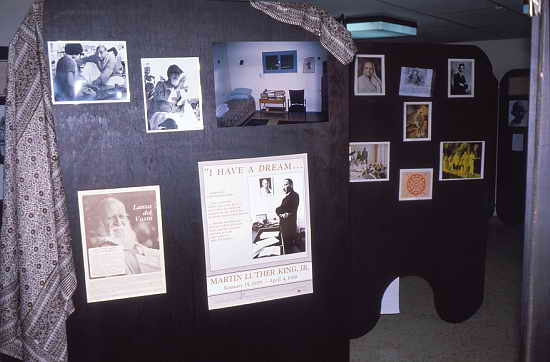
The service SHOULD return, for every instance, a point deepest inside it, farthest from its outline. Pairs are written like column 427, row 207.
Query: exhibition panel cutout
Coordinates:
column 257, row 233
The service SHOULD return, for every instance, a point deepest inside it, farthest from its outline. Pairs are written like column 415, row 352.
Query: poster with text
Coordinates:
column 256, row 229
column 122, row 242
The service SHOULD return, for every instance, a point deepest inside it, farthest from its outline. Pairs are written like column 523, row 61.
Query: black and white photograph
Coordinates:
column 172, row 94
column 461, row 160
column 461, row 82
column 309, row 65
column 278, row 223
column 89, row 72
column 369, row 161
column 417, row 121
column 270, row 83
column 257, row 233
column 518, row 112
column 122, row 242
column 416, row 82
column 370, row 75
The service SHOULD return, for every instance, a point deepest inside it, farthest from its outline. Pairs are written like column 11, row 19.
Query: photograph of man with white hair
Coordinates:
column 369, row 75
column 109, row 224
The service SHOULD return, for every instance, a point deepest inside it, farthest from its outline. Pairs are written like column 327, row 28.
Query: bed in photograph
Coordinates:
column 239, row 107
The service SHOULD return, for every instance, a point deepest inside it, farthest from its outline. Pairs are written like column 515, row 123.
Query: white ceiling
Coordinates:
column 438, row 20
column 444, row 20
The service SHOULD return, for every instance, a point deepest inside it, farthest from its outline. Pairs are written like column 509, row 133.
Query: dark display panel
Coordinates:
column 443, row 239
column 106, row 146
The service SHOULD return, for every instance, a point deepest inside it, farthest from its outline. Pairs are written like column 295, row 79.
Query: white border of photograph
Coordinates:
column 110, row 43
column 388, row 167
column 403, row 170
column 382, row 70
column 449, row 80
column 461, row 179
column 259, row 289
column 429, row 138
column 197, row 77
column 122, row 286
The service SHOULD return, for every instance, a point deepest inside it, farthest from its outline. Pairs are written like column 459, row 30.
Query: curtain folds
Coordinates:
column 333, row 35
column 37, row 277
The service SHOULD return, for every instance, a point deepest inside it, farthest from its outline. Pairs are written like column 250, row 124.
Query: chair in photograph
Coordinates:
column 297, row 101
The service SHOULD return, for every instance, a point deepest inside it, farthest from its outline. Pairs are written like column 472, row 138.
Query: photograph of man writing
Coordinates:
column 172, row 94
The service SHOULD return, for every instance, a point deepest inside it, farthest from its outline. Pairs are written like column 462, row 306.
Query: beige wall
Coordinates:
column 506, row 54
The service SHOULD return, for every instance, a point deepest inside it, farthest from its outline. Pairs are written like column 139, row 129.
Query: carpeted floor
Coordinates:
column 418, row 334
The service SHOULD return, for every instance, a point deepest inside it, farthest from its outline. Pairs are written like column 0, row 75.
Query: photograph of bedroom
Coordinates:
column 270, row 83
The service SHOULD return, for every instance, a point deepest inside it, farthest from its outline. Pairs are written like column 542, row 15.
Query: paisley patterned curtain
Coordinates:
column 37, row 277
column 333, row 35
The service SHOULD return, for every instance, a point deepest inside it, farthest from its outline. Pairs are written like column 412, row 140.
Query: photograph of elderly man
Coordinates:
column 369, row 75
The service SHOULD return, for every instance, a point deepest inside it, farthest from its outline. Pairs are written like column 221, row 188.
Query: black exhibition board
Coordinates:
column 441, row 240
column 512, row 156
column 105, row 146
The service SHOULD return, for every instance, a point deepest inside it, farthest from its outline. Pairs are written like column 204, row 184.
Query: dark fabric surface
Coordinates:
column 442, row 240
column 105, row 146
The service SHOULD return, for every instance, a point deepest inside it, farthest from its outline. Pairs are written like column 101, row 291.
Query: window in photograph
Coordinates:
column 280, row 62
column 256, row 84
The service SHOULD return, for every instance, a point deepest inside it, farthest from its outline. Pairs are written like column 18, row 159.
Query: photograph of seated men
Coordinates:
column 88, row 72
column 110, row 224
column 172, row 94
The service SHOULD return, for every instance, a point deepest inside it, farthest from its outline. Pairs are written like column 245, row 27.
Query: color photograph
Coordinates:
column 89, row 72
column 461, row 160
column 172, row 94
column 122, row 242
column 417, row 121
column 461, row 82
column 369, row 161
column 415, row 184
column 370, row 75
column 518, row 112
column 270, row 83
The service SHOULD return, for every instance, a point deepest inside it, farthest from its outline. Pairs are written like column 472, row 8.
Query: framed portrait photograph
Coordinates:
column 417, row 121
column 370, row 75
column 122, row 242
column 415, row 82
column 89, row 72
column 461, row 160
column 369, row 161
column 172, row 94
column 309, row 65
column 518, row 112
column 461, row 82
column 415, row 184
